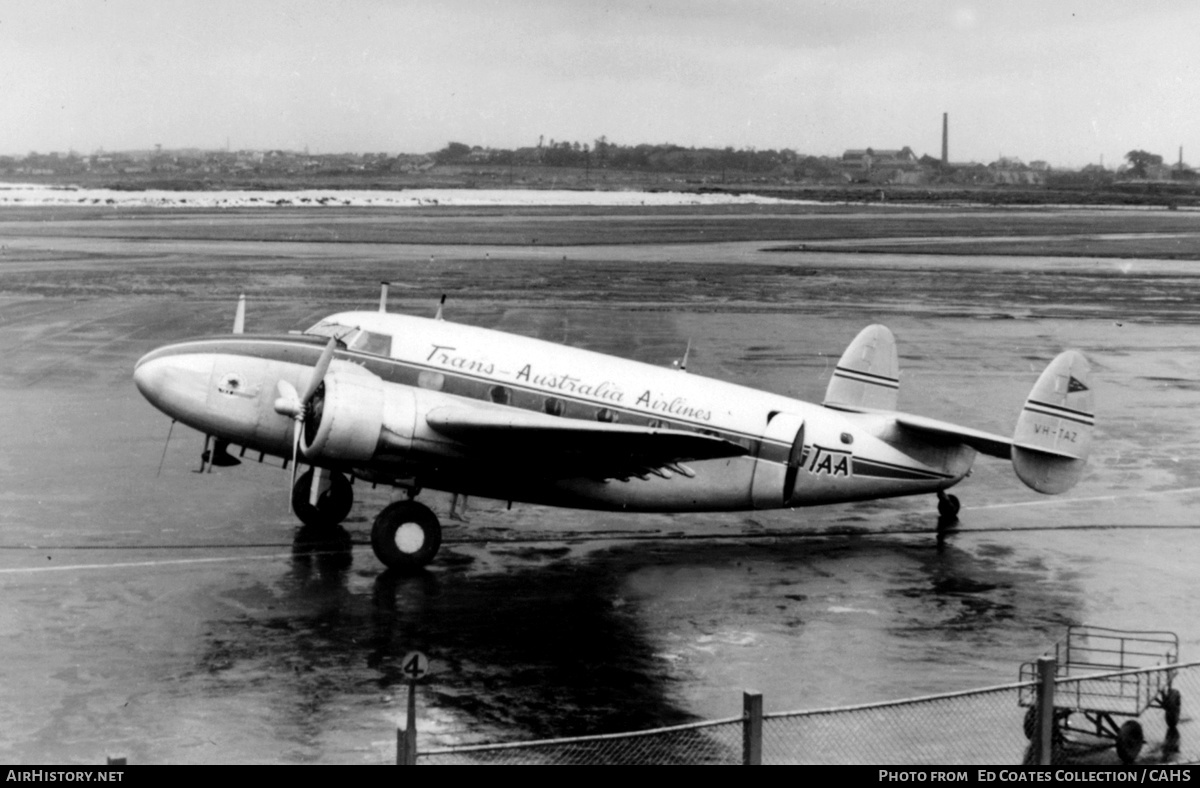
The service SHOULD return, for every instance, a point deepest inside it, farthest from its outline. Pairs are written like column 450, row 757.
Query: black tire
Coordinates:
column 1129, row 741
column 406, row 535
column 1172, row 705
column 1030, row 724
column 949, row 507
column 333, row 505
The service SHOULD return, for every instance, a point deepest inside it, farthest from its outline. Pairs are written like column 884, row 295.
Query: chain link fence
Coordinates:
column 715, row 742
column 997, row 725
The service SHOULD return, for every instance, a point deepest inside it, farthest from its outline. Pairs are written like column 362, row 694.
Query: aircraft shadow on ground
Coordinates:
column 547, row 643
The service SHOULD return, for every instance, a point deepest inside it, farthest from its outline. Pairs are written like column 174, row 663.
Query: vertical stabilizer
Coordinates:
column 868, row 374
column 1054, row 432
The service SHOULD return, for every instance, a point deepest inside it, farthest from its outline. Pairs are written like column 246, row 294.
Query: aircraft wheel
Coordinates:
column 948, row 506
column 333, row 505
column 1172, row 704
column 406, row 535
column 1030, row 724
column 1129, row 741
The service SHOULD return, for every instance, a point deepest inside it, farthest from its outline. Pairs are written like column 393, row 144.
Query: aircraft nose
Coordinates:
column 175, row 383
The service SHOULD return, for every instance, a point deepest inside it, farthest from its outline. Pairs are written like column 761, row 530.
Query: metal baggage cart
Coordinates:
column 1093, row 652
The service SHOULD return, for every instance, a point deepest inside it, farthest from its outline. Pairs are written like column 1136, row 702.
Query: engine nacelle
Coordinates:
column 353, row 416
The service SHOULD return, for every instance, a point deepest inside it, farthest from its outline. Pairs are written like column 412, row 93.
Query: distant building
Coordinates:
column 871, row 159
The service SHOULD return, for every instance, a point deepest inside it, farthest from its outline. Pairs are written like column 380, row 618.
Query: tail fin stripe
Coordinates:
column 1048, row 409
column 866, row 377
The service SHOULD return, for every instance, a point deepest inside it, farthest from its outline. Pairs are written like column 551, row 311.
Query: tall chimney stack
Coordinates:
column 945, row 138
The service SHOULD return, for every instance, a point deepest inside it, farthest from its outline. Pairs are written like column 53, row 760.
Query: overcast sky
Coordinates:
column 1064, row 81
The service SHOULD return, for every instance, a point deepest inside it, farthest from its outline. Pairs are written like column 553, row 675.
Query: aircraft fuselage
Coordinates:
column 796, row 453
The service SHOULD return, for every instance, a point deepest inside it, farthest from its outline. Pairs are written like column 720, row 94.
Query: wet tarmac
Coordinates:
column 178, row 617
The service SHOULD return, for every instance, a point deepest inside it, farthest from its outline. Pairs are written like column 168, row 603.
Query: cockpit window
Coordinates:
column 329, row 329
column 370, row 342
column 354, row 337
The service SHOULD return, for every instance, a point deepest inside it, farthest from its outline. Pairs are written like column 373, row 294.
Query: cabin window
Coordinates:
column 500, row 394
column 607, row 415
column 434, row 381
column 554, row 406
column 847, row 438
column 657, row 424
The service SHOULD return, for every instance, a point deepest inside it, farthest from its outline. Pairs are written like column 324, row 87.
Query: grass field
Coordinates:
column 792, row 258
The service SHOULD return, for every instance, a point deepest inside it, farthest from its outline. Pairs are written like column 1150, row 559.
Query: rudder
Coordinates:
column 1053, row 437
column 868, row 374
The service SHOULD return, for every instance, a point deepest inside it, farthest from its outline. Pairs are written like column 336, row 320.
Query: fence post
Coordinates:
column 406, row 738
column 1043, row 740
column 752, row 719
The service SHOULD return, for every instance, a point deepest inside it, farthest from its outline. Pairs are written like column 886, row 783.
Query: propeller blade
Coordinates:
column 295, row 458
column 319, row 373
column 291, row 404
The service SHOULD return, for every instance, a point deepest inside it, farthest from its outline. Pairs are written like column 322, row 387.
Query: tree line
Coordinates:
column 602, row 154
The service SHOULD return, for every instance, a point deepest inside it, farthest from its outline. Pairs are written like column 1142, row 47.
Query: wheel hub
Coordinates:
column 410, row 538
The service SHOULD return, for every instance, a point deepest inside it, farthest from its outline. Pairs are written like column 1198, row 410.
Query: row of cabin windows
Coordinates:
column 554, row 406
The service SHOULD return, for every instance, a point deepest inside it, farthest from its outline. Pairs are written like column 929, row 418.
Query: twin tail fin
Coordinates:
column 1053, row 437
column 867, row 376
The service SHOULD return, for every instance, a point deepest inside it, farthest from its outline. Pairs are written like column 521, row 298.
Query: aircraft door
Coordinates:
column 780, row 457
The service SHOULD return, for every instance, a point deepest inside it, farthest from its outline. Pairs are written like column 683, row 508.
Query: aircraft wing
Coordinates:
column 573, row 447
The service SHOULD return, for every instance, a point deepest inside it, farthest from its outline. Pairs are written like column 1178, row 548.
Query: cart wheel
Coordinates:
column 1129, row 741
column 1056, row 731
column 1172, row 704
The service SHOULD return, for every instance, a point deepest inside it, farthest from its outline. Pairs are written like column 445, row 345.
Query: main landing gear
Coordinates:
column 333, row 504
column 406, row 535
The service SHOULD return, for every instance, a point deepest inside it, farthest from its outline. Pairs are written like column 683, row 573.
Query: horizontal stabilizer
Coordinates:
column 1053, row 437
column 868, row 374
column 934, row 430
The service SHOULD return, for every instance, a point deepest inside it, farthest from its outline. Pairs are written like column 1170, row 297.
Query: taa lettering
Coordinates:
column 830, row 463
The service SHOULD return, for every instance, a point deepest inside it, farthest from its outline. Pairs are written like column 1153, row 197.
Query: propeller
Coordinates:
column 291, row 404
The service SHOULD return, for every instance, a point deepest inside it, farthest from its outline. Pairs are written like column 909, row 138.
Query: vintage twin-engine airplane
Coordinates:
column 427, row 403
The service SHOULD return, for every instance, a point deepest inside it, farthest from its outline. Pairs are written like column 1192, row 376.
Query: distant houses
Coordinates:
column 875, row 166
